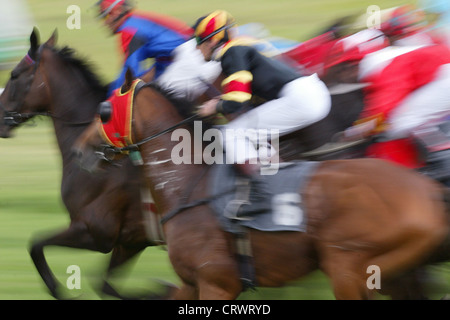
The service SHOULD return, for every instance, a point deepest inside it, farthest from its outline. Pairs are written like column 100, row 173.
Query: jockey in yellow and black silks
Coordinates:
column 292, row 101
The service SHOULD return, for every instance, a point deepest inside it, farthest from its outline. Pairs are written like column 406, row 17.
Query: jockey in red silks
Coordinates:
column 145, row 35
column 311, row 54
column 406, row 26
column 438, row 17
column 407, row 87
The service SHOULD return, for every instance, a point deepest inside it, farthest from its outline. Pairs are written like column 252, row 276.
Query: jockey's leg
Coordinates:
column 300, row 103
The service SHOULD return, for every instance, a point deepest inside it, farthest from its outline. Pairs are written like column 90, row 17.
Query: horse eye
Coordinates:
column 14, row 74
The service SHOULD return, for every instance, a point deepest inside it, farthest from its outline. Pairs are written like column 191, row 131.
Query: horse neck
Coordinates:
column 73, row 104
column 169, row 182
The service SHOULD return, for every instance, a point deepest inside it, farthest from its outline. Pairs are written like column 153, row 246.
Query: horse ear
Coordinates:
column 34, row 40
column 129, row 77
column 51, row 42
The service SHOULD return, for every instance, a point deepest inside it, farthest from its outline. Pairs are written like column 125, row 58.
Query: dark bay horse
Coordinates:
column 105, row 209
column 361, row 213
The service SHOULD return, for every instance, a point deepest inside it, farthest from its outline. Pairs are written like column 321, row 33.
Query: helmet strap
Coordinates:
column 212, row 34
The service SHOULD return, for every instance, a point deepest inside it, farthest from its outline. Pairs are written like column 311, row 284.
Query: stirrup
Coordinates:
column 232, row 209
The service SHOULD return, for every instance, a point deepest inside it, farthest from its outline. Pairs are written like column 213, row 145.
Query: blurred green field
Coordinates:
column 30, row 162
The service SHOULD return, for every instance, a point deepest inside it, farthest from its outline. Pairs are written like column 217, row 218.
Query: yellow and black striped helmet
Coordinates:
column 214, row 26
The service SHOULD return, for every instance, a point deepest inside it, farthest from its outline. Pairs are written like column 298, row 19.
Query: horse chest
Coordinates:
column 161, row 174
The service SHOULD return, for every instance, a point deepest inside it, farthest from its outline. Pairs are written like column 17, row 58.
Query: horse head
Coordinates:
column 26, row 93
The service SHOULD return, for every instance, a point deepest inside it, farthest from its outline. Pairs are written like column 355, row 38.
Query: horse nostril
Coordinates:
column 77, row 153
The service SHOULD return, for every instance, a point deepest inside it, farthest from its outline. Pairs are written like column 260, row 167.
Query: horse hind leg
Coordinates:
column 408, row 254
column 344, row 270
column 349, row 272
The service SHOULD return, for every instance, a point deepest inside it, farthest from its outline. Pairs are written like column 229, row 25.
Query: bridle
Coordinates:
column 14, row 118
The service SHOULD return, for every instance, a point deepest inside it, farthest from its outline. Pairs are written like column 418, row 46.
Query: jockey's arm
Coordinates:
column 386, row 91
column 236, row 87
column 133, row 47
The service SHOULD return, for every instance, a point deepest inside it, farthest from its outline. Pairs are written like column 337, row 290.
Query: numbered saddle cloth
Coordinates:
column 287, row 212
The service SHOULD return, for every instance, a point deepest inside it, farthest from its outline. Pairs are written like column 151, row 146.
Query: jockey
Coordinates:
column 292, row 101
column 438, row 14
column 407, row 87
column 405, row 26
column 149, row 35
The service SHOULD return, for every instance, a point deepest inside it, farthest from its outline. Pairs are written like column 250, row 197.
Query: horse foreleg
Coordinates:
column 120, row 255
column 76, row 236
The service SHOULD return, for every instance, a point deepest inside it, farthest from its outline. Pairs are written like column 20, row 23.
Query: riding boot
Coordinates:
column 260, row 195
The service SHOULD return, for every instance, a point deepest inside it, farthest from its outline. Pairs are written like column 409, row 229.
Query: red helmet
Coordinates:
column 106, row 6
column 402, row 21
column 355, row 47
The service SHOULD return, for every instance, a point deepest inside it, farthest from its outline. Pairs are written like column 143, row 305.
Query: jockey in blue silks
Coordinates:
column 145, row 35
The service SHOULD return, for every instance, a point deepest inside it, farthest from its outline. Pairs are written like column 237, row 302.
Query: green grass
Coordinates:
column 30, row 163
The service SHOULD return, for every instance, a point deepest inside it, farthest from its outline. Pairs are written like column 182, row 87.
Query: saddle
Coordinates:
column 229, row 191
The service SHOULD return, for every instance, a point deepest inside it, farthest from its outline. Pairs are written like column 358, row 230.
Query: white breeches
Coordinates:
column 187, row 76
column 300, row 103
column 426, row 103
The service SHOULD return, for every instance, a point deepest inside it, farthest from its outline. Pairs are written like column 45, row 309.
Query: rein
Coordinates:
column 135, row 146
column 14, row 118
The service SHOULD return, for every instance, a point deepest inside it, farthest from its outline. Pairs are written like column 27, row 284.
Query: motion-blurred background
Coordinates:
column 30, row 162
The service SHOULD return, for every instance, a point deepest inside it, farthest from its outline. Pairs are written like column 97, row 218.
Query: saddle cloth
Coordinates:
column 287, row 212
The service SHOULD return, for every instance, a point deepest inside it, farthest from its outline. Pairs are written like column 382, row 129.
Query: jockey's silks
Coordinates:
column 145, row 35
column 249, row 73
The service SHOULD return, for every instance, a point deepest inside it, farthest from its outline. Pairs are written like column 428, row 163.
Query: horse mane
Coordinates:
column 68, row 55
column 184, row 107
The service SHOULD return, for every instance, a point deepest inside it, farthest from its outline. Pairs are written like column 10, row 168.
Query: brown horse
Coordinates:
column 360, row 213
column 105, row 209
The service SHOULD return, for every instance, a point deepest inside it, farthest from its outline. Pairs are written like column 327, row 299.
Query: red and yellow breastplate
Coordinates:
column 117, row 131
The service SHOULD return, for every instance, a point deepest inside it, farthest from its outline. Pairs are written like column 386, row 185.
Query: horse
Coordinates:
column 360, row 213
column 105, row 210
